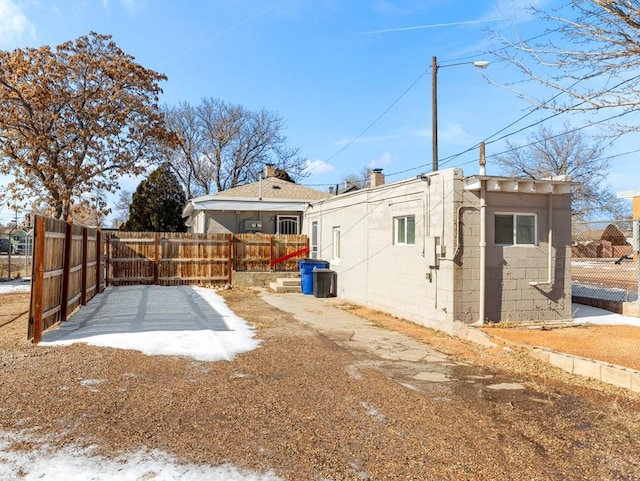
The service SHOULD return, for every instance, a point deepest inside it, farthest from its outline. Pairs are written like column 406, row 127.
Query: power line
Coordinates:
column 393, row 104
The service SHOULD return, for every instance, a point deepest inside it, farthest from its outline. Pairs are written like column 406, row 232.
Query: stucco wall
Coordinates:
column 225, row 222
column 373, row 270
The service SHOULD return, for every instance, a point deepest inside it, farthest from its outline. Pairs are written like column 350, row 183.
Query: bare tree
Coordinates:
column 589, row 52
column 222, row 146
column 361, row 180
column 548, row 155
column 74, row 119
column 122, row 207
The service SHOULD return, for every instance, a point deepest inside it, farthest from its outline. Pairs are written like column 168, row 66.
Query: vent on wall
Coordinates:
column 253, row 225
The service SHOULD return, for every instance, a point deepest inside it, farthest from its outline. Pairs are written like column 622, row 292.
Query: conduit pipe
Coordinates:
column 483, row 237
column 549, row 281
column 483, row 252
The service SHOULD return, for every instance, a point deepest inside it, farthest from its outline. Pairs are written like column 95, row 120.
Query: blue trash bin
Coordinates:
column 306, row 273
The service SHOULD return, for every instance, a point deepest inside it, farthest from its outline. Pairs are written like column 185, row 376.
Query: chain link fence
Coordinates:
column 605, row 260
column 15, row 255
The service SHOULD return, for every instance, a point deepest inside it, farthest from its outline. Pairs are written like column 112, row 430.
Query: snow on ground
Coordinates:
column 184, row 321
column 73, row 463
column 608, row 293
column 17, row 285
column 175, row 321
column 592, row 315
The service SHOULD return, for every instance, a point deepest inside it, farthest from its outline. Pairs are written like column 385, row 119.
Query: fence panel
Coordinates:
column 194, row 258
column 284, row 246
column 168, row 258
column 67, row 263
column 603, row 263
column 255, row 252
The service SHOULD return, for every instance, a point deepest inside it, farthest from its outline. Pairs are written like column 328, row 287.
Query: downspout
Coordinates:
column 483, row 239
column 549, row 281
column 483, row 252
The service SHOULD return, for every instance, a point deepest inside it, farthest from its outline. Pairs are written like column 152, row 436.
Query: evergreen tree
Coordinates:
column 157, row 204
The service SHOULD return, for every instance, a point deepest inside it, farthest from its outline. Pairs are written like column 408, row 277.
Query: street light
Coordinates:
column 434, row 102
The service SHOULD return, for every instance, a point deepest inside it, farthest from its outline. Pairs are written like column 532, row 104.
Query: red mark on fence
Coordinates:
column 304, row 250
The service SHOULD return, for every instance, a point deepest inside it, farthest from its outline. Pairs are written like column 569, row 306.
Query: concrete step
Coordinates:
column 286, row 284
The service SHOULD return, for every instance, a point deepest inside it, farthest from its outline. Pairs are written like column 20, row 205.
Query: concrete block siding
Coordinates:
column 377, row 271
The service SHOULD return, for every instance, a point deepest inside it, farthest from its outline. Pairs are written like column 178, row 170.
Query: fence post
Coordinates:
column 230, row 259
column 272, row 241
column 38, row 279
column 107, row 254
column 83, row 287
column 66, row 271
column 156, row 260
column 636, row 251
column 99, row 287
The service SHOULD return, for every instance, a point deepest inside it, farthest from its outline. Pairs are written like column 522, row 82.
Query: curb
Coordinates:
column 619, row 376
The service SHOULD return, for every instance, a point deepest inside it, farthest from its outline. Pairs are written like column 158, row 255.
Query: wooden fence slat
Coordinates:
column 37, row 287
column 66, row 271
column 85, row 252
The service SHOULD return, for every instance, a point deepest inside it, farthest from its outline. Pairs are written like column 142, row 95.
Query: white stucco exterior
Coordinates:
column 434, row 280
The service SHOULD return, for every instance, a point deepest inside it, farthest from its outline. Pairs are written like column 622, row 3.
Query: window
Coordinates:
column 287, row 224
column 335, row 246
column 515, row 229
column 314, row 240
column 405, row 230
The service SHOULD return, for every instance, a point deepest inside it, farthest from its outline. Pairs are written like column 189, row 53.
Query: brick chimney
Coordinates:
column 377, row 177
column 269, row 170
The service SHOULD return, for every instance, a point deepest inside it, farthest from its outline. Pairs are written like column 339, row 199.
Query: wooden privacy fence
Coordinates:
column 72, row 263
column 180, row 258
column 67, row 272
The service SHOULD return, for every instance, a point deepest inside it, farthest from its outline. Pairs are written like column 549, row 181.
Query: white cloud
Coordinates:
column 13, row 24
column 453, row 132
column 385, row 159
column 318, row 167
column 134, row 6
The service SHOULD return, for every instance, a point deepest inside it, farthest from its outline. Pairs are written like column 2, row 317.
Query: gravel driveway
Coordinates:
column 307, row 407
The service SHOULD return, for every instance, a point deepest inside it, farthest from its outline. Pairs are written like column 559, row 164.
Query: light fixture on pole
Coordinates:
column 434, row 103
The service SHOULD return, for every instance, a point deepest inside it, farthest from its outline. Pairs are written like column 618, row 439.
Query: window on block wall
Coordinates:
column 335, row 244
column 515, row 229
column 405, row 230
column 313, row 254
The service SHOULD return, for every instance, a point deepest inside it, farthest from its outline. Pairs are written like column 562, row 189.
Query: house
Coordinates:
column 269, row 206
column 442, row 247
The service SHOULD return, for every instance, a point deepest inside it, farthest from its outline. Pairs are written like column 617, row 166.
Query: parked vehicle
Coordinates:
column 22, row 248
column 6, row 246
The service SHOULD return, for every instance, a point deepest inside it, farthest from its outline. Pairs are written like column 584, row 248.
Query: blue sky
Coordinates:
column 352, row 79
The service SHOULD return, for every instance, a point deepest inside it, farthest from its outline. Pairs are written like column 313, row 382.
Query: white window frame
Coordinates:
column 514, row 233
column 401, row 230
column 335, row 245
column 288, row 220
column 313, row 244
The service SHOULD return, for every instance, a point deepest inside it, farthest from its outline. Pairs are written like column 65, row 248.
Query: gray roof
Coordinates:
column 272, row 191
column 271, row 188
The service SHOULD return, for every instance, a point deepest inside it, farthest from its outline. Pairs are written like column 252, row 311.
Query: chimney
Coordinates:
column 269, row 170
column 377, row 177
column 331, row 189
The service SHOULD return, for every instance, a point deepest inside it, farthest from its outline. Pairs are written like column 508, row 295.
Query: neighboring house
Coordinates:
column 442, row 247
column 18, row 237
column 269, row 206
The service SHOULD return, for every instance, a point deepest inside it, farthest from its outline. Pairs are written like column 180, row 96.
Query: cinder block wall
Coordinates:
column 511, row 269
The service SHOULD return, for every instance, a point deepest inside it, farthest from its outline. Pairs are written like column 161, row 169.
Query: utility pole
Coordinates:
column 434, row 114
